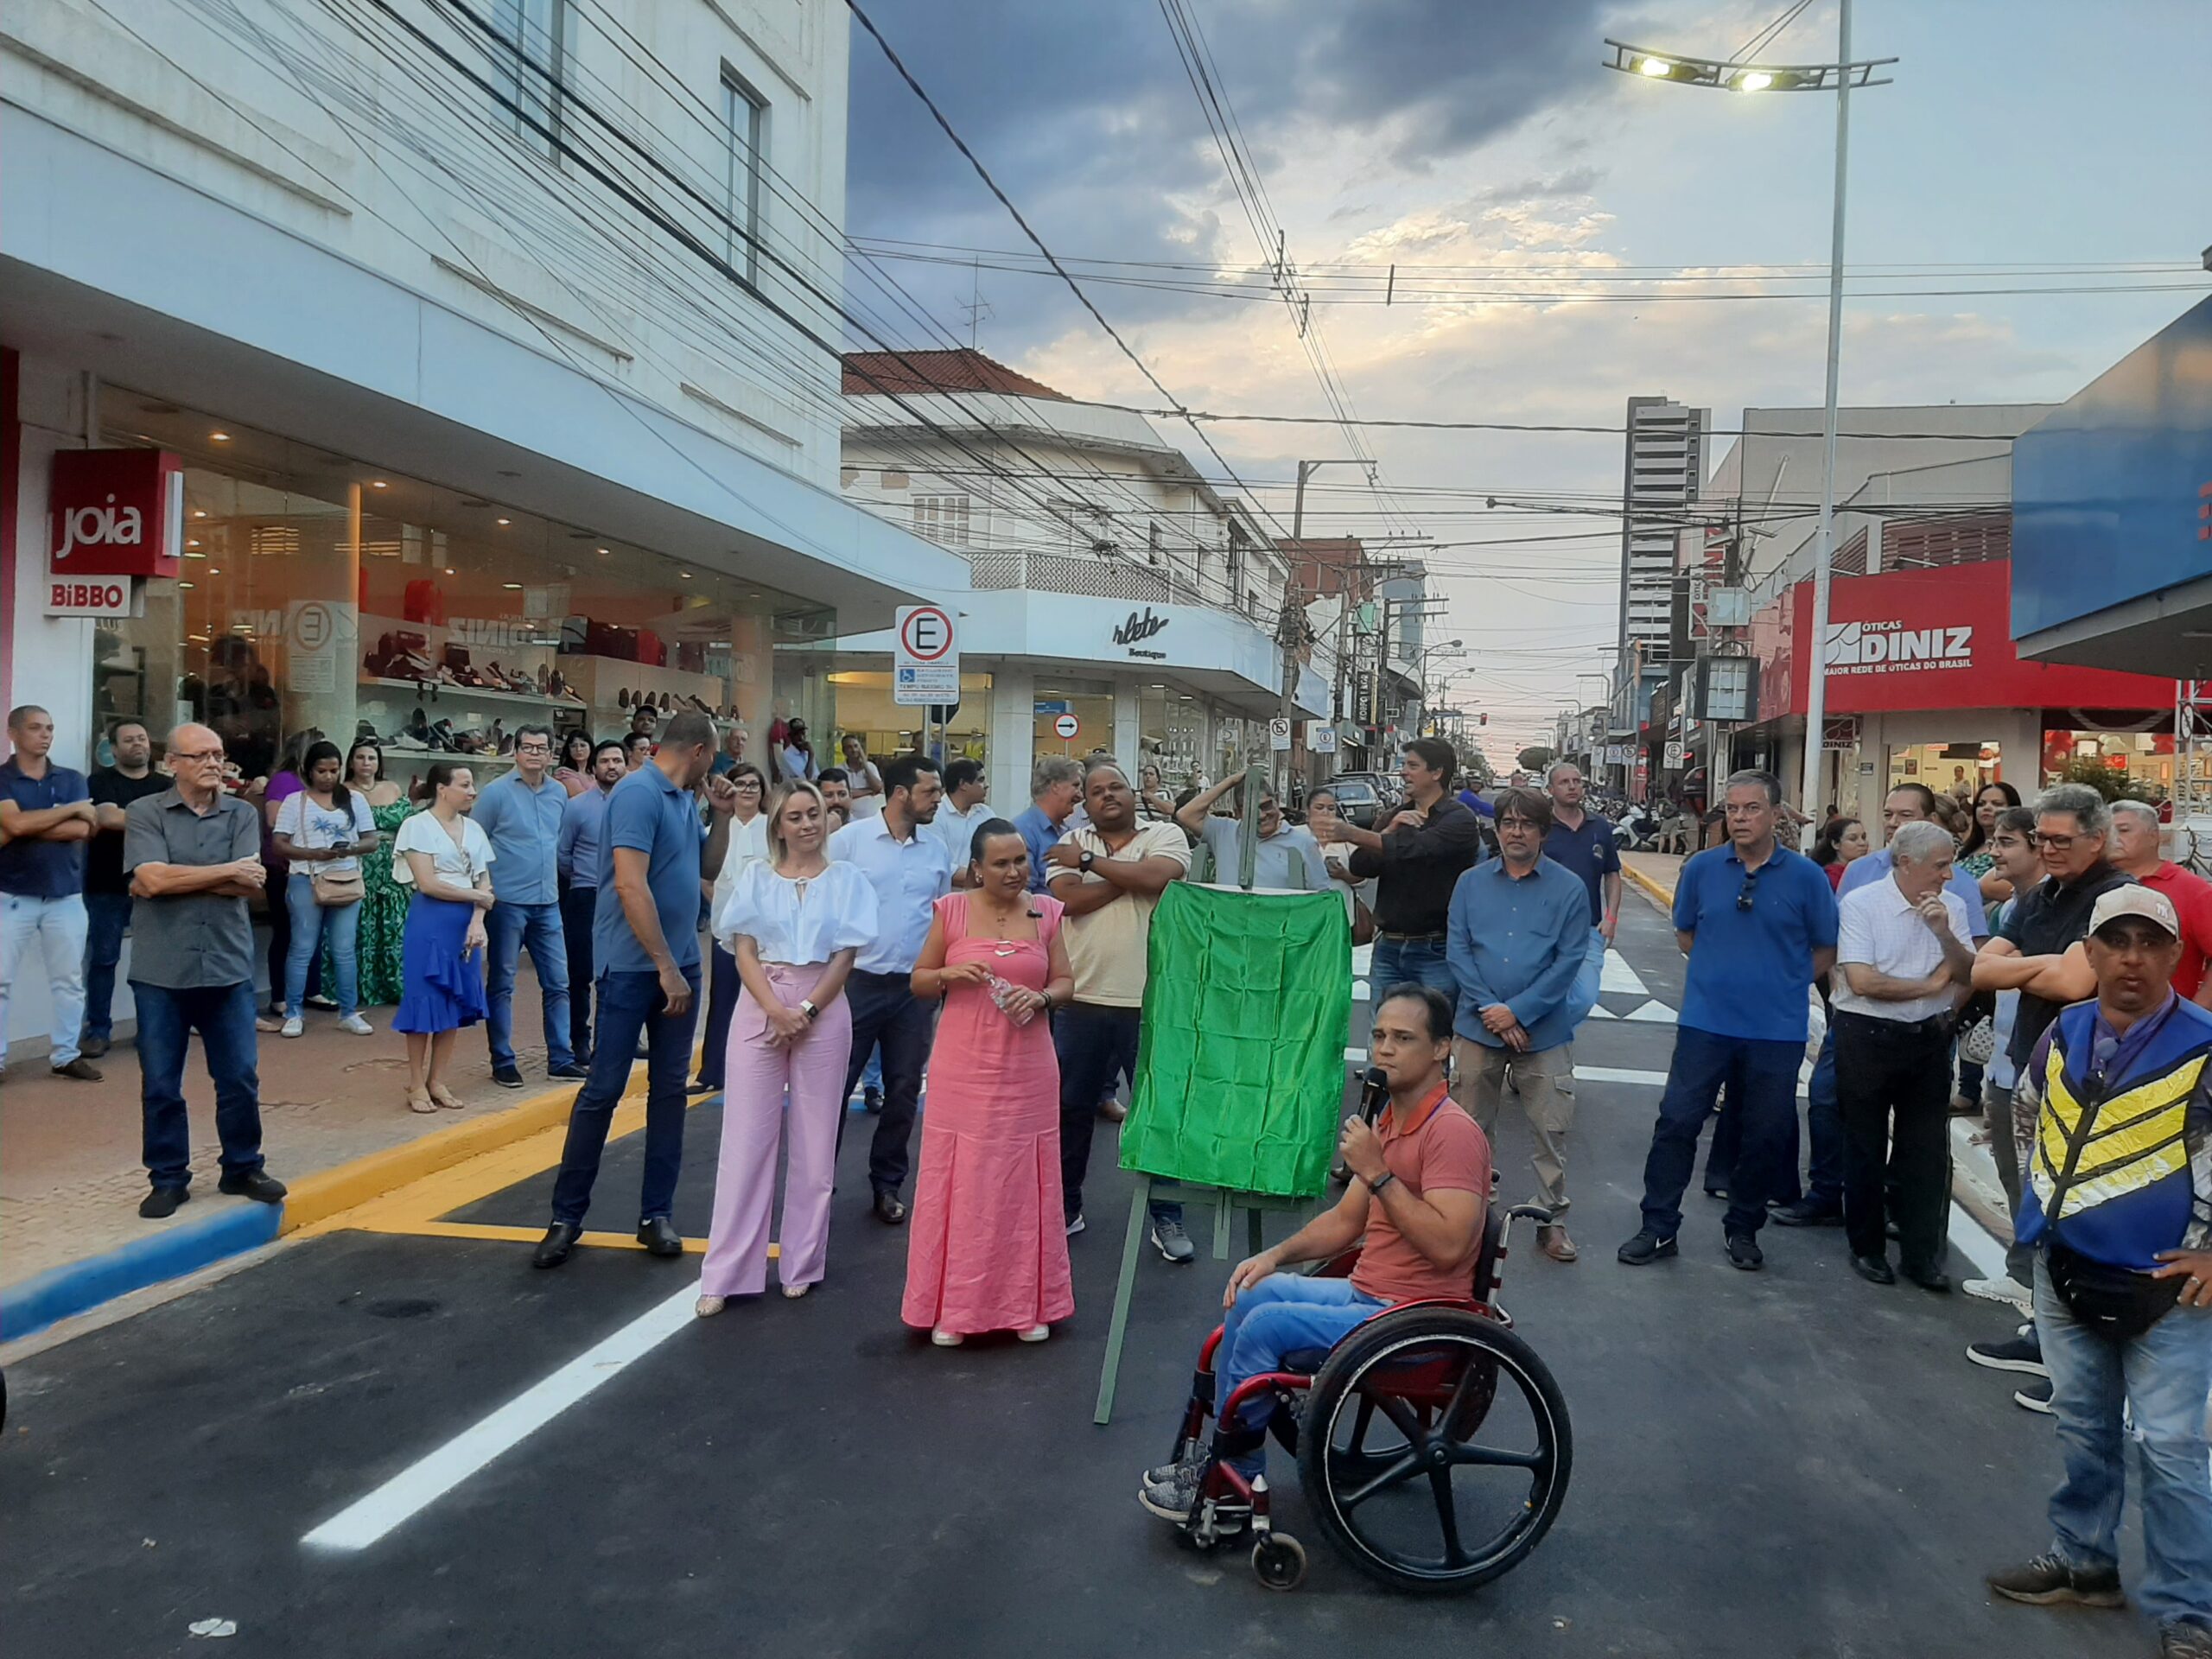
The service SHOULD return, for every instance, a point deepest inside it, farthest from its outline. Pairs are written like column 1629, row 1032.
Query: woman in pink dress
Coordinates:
column 985, row 1251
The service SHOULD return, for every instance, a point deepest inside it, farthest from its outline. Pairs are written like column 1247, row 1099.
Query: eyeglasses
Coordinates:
column 533, row 748
column 1745, row 893
column 2056, row 844
column 199, row 758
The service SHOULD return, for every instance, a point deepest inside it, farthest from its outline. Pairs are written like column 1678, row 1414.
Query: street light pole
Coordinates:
column 1816, row 674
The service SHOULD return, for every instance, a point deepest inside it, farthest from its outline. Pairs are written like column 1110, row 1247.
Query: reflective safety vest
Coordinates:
column 2117, row 1145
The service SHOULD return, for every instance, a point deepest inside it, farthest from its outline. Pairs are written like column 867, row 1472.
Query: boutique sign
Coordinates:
column 1141, row 626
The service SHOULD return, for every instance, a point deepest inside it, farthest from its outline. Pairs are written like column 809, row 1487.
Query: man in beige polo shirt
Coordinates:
column 1109, row 874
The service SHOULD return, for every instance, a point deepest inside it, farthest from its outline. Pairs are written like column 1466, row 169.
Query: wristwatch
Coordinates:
column 1375, row 1187
column 808, row 1009
column 1088, row 859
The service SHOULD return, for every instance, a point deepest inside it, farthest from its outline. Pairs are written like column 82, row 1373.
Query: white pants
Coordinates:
column 55, row 928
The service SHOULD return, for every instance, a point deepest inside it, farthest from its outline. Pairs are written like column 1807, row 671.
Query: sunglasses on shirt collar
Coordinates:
column 1745, row 893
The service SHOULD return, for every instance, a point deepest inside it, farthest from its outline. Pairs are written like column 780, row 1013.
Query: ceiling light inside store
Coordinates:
column 378, row 484
column 448, row 569
column 213, row 571
column 686, row 574
column 191, row 542
column 512, row 586
column 502, row 521
column 200, row 513
column 602, row 552
column 219, row 437
column 184, row 584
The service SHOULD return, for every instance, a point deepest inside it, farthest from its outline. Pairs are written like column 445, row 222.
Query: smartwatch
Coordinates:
column 1085, row 863
column 1375, row 1187
column 808, row 1009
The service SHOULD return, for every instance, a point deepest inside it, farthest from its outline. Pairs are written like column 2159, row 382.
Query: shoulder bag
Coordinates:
column 336, row 890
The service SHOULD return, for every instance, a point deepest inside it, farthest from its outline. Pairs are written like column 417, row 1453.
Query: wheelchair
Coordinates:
column 1387, row 1444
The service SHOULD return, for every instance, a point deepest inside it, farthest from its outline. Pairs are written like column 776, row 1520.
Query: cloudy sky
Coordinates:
column 1483, row 136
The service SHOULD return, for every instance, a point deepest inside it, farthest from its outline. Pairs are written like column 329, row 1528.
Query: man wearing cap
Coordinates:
column 1904, row 951
column 2118, row 1203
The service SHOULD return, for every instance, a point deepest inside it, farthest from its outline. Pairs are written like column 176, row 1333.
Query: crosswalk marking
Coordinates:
column 1617, row 975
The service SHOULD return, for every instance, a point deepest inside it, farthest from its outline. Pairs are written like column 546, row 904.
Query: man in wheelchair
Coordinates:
column 1414, row 1212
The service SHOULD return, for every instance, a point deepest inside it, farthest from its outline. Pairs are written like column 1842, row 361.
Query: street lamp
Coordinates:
column 1838, row 77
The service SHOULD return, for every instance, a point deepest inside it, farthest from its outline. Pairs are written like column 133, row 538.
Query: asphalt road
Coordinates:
column 1791, row 1463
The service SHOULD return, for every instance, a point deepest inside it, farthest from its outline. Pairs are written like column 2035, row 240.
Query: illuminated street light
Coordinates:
column 1840, row 78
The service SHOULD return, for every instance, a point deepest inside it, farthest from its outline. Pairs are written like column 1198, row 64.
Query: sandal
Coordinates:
column 446, row 1097
column 418, row 1100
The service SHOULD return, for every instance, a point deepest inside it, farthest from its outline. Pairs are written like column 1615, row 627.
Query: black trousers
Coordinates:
column 722, row 1004
column 885, row 1011
column 1893, row 1082
column 578, row 905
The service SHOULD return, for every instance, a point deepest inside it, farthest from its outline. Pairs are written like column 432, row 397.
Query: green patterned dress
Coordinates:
column 383, row 912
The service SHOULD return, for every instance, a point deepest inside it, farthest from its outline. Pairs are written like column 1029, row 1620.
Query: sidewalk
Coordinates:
column 1974, row 1187
column 71, row 1176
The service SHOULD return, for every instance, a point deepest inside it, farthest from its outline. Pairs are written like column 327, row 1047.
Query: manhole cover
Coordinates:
column 404, row 1307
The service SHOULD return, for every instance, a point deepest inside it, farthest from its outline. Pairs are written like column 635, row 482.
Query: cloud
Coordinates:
column 1570, row 181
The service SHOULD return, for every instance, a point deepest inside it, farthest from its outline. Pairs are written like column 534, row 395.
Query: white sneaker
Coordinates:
column 1034, row 1333
column 947, row 1338
column 2005, row 1289
column 294, row 1026
column 357, row 1025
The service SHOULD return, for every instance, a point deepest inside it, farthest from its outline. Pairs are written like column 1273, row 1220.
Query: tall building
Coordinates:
column 1662, row 474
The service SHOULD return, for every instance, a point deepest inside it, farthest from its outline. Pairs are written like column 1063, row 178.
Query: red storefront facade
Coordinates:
column 1925, row 685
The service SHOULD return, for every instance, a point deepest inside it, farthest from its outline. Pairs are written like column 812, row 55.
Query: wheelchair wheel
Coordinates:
column 1280, row 1562
column 1390, row 1459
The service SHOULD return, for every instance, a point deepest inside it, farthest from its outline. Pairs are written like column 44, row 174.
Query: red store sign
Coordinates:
column 1927, row 639
column 115, row 512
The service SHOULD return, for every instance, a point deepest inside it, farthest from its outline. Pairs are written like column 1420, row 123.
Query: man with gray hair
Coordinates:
column 2135, row 832
column 1055, row 789
column 1905, row 951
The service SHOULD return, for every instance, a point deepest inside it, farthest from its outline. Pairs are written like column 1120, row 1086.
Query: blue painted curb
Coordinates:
column 62, row 1292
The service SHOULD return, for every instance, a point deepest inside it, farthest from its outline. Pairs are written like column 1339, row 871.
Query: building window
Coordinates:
column 848, row 476
column 893, row 480
column 942, row 519
column 745, row 114
column 535, row 39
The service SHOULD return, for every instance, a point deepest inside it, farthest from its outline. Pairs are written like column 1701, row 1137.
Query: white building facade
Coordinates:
column 1117, row 600
column 491, row 342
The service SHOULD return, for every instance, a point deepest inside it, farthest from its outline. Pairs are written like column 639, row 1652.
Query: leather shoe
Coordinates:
column 92, row 1047
column 1553, row 1241
column 574, row 1072
column 162, row 1201
column 888, row 1210
column 1806, row 1213
column 1874, row 1270
column 80, row 1069
column 659, row 1234
column 257, row 1185
column 553, row 1250
column 1933, row 1278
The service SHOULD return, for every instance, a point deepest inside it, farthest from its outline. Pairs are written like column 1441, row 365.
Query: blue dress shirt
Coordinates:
column 1039, row 832
column 582, row 821
column 1518, row 941
column 523, row 826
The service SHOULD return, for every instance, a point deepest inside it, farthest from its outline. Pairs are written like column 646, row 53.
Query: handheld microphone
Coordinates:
column 1373, row 1094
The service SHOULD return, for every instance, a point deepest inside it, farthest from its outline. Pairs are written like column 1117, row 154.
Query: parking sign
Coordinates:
column 925, row 657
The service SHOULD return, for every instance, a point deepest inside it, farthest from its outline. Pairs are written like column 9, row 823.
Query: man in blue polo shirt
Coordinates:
column 521, row 815
column 1822, row 1203
column 1758, row 924
column 645, row 944
column 47, row 816
column 1583, row 843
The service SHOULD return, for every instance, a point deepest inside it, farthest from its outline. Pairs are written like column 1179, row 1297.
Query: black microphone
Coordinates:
column 1373, row 1094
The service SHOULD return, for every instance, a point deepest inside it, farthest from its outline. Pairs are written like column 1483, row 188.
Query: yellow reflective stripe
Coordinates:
column 2137, row 1137
column 2058, row 1100
column 2088, row 1194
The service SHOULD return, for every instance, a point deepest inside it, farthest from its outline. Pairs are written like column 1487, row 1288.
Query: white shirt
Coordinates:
column 457, row 866
column 956, row 829
column 305, row 824
column 798, row 922
column 1879, row 929
column 748, row 841
column 908, row 876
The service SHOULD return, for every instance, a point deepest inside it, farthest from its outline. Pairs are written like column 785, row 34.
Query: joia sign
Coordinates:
column 115, row 512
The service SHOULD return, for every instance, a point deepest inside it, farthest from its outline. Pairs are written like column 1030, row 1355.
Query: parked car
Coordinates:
column 1364, row 797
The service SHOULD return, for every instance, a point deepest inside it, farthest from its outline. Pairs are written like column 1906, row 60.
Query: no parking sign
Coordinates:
column 925, row 657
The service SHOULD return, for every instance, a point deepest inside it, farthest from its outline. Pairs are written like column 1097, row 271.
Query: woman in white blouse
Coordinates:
column 748, row 841
column 323, row 829
column 446, row 859
column 793, row 922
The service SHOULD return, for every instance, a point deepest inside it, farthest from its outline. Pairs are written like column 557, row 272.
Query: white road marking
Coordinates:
column 415, row 1487
column 1974, row 1241
column 1360, row 991
column 1617, row 975
column 1599, row 1011
column 1618, row 1074
column 1655, row 1013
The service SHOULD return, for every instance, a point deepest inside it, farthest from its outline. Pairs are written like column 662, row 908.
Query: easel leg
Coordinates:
column 1117, row 1328
column 1252, row 1231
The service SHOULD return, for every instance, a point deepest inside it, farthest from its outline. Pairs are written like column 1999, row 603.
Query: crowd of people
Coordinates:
column 2044, row 965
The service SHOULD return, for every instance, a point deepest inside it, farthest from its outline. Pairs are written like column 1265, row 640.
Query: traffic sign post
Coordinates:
column 1278, row 735
column 925, row 657
column 1066, row 726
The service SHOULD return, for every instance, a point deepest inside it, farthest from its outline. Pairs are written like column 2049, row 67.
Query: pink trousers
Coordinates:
column 757, row 1082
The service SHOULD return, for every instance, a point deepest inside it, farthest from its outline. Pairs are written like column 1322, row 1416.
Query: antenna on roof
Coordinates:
column 975, row 305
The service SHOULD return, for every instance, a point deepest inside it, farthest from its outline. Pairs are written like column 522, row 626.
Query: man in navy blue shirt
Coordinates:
column 1583, row 841
column 646, row 947
column 47, row 816
column 1758, row 924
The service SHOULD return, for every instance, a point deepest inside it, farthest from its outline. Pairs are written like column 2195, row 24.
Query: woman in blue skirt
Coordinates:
column 446, row 860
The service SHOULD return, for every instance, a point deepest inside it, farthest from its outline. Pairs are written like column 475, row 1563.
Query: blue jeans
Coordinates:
column 1824, row 1127
column 1421, row 961
column 507, row 929
column 886, row 1011
column 1284, row 1313
column 1762, row 1082
column 223, row 1015
column 54, row 929
column 107, row 918
column 630, row 1003
column 1095, row 1044
column 310, row 922
column 1584, row 996
column 577, row 905
column 2162, row 1377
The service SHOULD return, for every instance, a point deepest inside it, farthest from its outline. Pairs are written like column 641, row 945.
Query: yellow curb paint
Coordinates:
column 523, row 1235
column 1664, row 897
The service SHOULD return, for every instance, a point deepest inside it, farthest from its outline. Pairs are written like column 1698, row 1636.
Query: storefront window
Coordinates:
column 1959, row 769
column 2143, row 764
column 862, row 704
column 321, row 594
column 1174, row 730
column 1072, row 717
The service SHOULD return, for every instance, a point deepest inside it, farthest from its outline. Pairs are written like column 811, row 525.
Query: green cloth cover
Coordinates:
column 1240, row 1080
